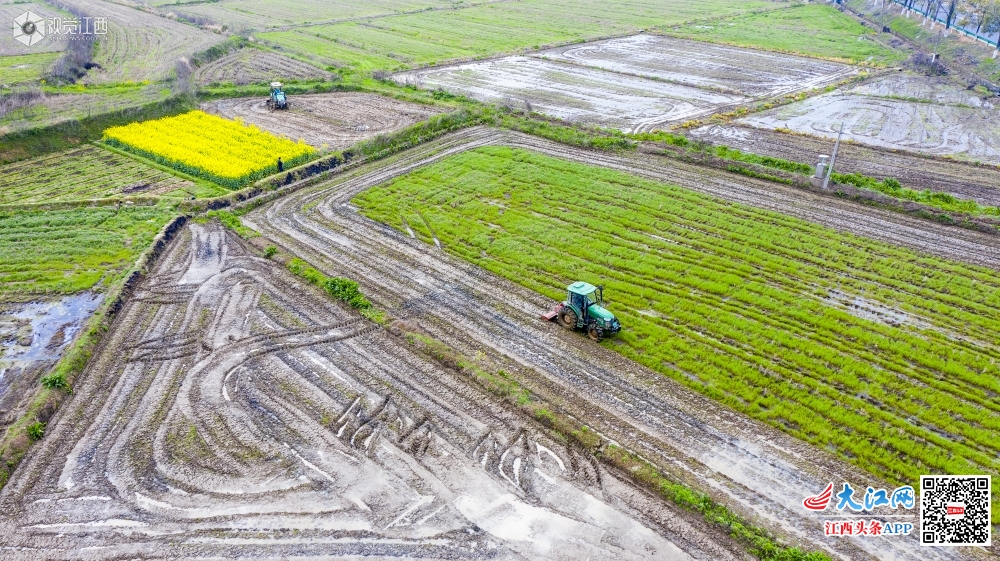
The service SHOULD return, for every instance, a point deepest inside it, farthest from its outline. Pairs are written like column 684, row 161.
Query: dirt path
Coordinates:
column 763, row 472
column 235, row 412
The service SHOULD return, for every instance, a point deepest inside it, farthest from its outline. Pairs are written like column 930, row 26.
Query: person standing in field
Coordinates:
column 281, row 166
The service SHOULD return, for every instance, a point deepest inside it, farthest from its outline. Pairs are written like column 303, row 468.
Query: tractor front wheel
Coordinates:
column 595, row 333
column 567, row 317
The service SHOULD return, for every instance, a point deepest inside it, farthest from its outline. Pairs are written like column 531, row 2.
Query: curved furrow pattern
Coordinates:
column 252, row 416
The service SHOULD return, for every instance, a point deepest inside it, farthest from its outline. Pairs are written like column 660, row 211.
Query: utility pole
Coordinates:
column 833, row 160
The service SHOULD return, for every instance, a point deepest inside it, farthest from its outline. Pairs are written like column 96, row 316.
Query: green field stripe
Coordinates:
column 740, row 302
column 81, row 173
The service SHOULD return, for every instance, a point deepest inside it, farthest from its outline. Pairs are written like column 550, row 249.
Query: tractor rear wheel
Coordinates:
column 567, row 317
column 595, row 333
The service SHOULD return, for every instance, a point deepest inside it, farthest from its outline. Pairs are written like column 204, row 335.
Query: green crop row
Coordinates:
column 878, row 354
column 66, row 251
column 893, row 188
column 82, row 173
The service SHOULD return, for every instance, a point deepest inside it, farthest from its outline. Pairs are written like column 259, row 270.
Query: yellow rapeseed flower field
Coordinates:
column 220, row 150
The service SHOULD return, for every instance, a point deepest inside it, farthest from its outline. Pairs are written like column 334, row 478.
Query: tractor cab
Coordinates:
column 278, row 100
column 584, row 309
column 582, row 295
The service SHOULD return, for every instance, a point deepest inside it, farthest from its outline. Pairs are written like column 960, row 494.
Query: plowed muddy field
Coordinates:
column 763, row 472
column 913, row 113
column 633, row 83
column 333, row 120
column 234, row 411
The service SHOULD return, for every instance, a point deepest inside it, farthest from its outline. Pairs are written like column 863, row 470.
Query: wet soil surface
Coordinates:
column 760, row 472
column 234, row 411
column 33, row 336
column 899, row 111
column 967, row 181
column 747, row 72
column 635, row 83
column 336, row 120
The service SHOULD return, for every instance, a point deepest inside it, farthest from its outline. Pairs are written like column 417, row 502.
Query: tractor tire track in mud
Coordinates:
column 758, row 470
column 336, row 120
column 233, row 411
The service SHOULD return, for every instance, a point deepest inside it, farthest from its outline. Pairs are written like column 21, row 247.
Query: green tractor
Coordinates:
column 584, row 309
column 278, row 99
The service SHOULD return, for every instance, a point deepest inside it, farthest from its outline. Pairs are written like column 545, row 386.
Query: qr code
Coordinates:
column 955, row 510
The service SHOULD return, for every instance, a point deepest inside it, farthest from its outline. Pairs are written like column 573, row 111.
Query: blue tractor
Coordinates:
column 278, row 99
column 584, row 309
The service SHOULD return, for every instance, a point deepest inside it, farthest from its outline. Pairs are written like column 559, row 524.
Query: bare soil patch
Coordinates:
column 336, row 120
column 253, row 66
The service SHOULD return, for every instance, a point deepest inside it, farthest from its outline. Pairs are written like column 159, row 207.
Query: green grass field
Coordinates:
column 66, row 251
column 24, row 68
column 407, row 41
column 813, row 30
column 91, row 173
column 749, row 307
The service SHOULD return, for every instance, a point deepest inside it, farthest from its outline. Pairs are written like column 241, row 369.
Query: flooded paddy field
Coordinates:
column 904, row 112
column 579, row 94
column 636, row 83
column 737, row 70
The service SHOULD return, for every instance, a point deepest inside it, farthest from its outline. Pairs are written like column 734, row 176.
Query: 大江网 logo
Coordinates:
column 29, row 28
column 820, row 501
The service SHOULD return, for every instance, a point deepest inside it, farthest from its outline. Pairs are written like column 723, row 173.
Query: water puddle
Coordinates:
column 41, row 331
column 863, row 308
